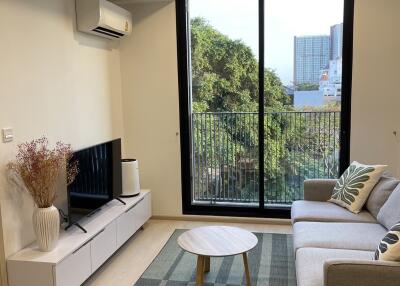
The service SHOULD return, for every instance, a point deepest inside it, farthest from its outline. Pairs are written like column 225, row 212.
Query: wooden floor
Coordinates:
column 128, row 264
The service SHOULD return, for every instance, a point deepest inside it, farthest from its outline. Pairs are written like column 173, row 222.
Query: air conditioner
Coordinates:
column 103, row 18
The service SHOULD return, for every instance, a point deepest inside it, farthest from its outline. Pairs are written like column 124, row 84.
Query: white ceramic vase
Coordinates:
column 46, row 224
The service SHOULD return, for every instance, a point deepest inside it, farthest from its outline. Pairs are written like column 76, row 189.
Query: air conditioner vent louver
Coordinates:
column 108, row 32
column 103, row 18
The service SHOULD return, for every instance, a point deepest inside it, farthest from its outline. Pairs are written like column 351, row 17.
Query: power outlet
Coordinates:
column 8, row 134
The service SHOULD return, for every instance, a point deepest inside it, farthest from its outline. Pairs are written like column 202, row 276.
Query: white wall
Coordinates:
column 54, row 82
column 150, row 103
column 376, row 74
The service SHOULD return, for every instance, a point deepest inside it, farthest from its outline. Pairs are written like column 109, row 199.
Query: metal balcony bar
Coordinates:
column 298, row 145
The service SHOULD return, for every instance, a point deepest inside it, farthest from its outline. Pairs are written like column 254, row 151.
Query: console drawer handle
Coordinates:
column 134, row 205
column 99, row 233
column 89, row 240
column 82, row 246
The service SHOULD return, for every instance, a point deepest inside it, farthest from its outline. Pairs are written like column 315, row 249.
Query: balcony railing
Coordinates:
column 298, row 146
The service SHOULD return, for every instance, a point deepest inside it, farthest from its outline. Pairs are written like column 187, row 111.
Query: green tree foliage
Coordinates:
column 225, row 122
column 225, row 74
column 307, row 86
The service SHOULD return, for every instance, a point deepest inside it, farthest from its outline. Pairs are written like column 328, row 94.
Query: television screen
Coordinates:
column 99, row 179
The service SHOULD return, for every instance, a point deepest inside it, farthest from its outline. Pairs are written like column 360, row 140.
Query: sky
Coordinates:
column 284, row 19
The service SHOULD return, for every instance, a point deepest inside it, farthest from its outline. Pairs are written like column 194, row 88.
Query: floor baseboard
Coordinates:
column 224, row 219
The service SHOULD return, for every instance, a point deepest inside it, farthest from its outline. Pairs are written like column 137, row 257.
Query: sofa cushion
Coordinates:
column 354, row 186
column 380, row 193
column 356, row 236
column 310, row 263
column 389, row 214
column 326, row 211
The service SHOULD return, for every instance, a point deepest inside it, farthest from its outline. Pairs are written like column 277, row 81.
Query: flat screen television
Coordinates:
column 99, row 179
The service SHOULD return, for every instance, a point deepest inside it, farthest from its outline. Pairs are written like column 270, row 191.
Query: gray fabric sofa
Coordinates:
column 334, row 247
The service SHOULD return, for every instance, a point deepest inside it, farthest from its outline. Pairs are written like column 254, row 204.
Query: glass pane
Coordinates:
column 224, row 86
column 303, row 56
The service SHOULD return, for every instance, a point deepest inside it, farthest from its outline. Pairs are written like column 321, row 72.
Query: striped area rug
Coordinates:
column 271, row 263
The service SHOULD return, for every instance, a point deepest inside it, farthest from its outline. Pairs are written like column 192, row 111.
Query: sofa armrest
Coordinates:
column 346, row 272
column 318, row 189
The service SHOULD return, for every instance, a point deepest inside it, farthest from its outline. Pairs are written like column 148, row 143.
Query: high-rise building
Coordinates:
column 311, row 55
column 336, row 41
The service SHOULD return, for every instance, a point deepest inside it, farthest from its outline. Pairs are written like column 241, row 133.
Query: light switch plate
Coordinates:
column 8, row 134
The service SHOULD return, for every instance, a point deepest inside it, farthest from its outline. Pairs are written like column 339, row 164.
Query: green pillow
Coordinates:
column 354, row 186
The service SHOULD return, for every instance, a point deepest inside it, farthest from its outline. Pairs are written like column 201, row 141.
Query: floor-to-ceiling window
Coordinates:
column 264, row 100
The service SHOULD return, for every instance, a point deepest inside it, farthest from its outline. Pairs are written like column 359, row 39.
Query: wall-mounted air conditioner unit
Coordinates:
column 103, row 18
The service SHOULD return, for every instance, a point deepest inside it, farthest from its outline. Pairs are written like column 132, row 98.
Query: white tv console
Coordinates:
column 78, row 254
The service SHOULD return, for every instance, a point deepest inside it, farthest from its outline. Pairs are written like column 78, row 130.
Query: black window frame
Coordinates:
column 182, row 33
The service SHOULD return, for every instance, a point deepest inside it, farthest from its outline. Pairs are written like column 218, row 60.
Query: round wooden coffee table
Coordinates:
column 217, row 241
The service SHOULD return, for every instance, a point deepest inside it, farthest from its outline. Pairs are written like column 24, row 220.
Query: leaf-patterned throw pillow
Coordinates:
column 389, row 247
column 354, row 186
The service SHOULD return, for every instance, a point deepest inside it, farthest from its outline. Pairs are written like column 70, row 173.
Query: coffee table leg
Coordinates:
column 200, row 270
column 207, row 264
column 246, row 269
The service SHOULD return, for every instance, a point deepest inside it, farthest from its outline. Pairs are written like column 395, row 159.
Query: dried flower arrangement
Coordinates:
column 40, row 167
